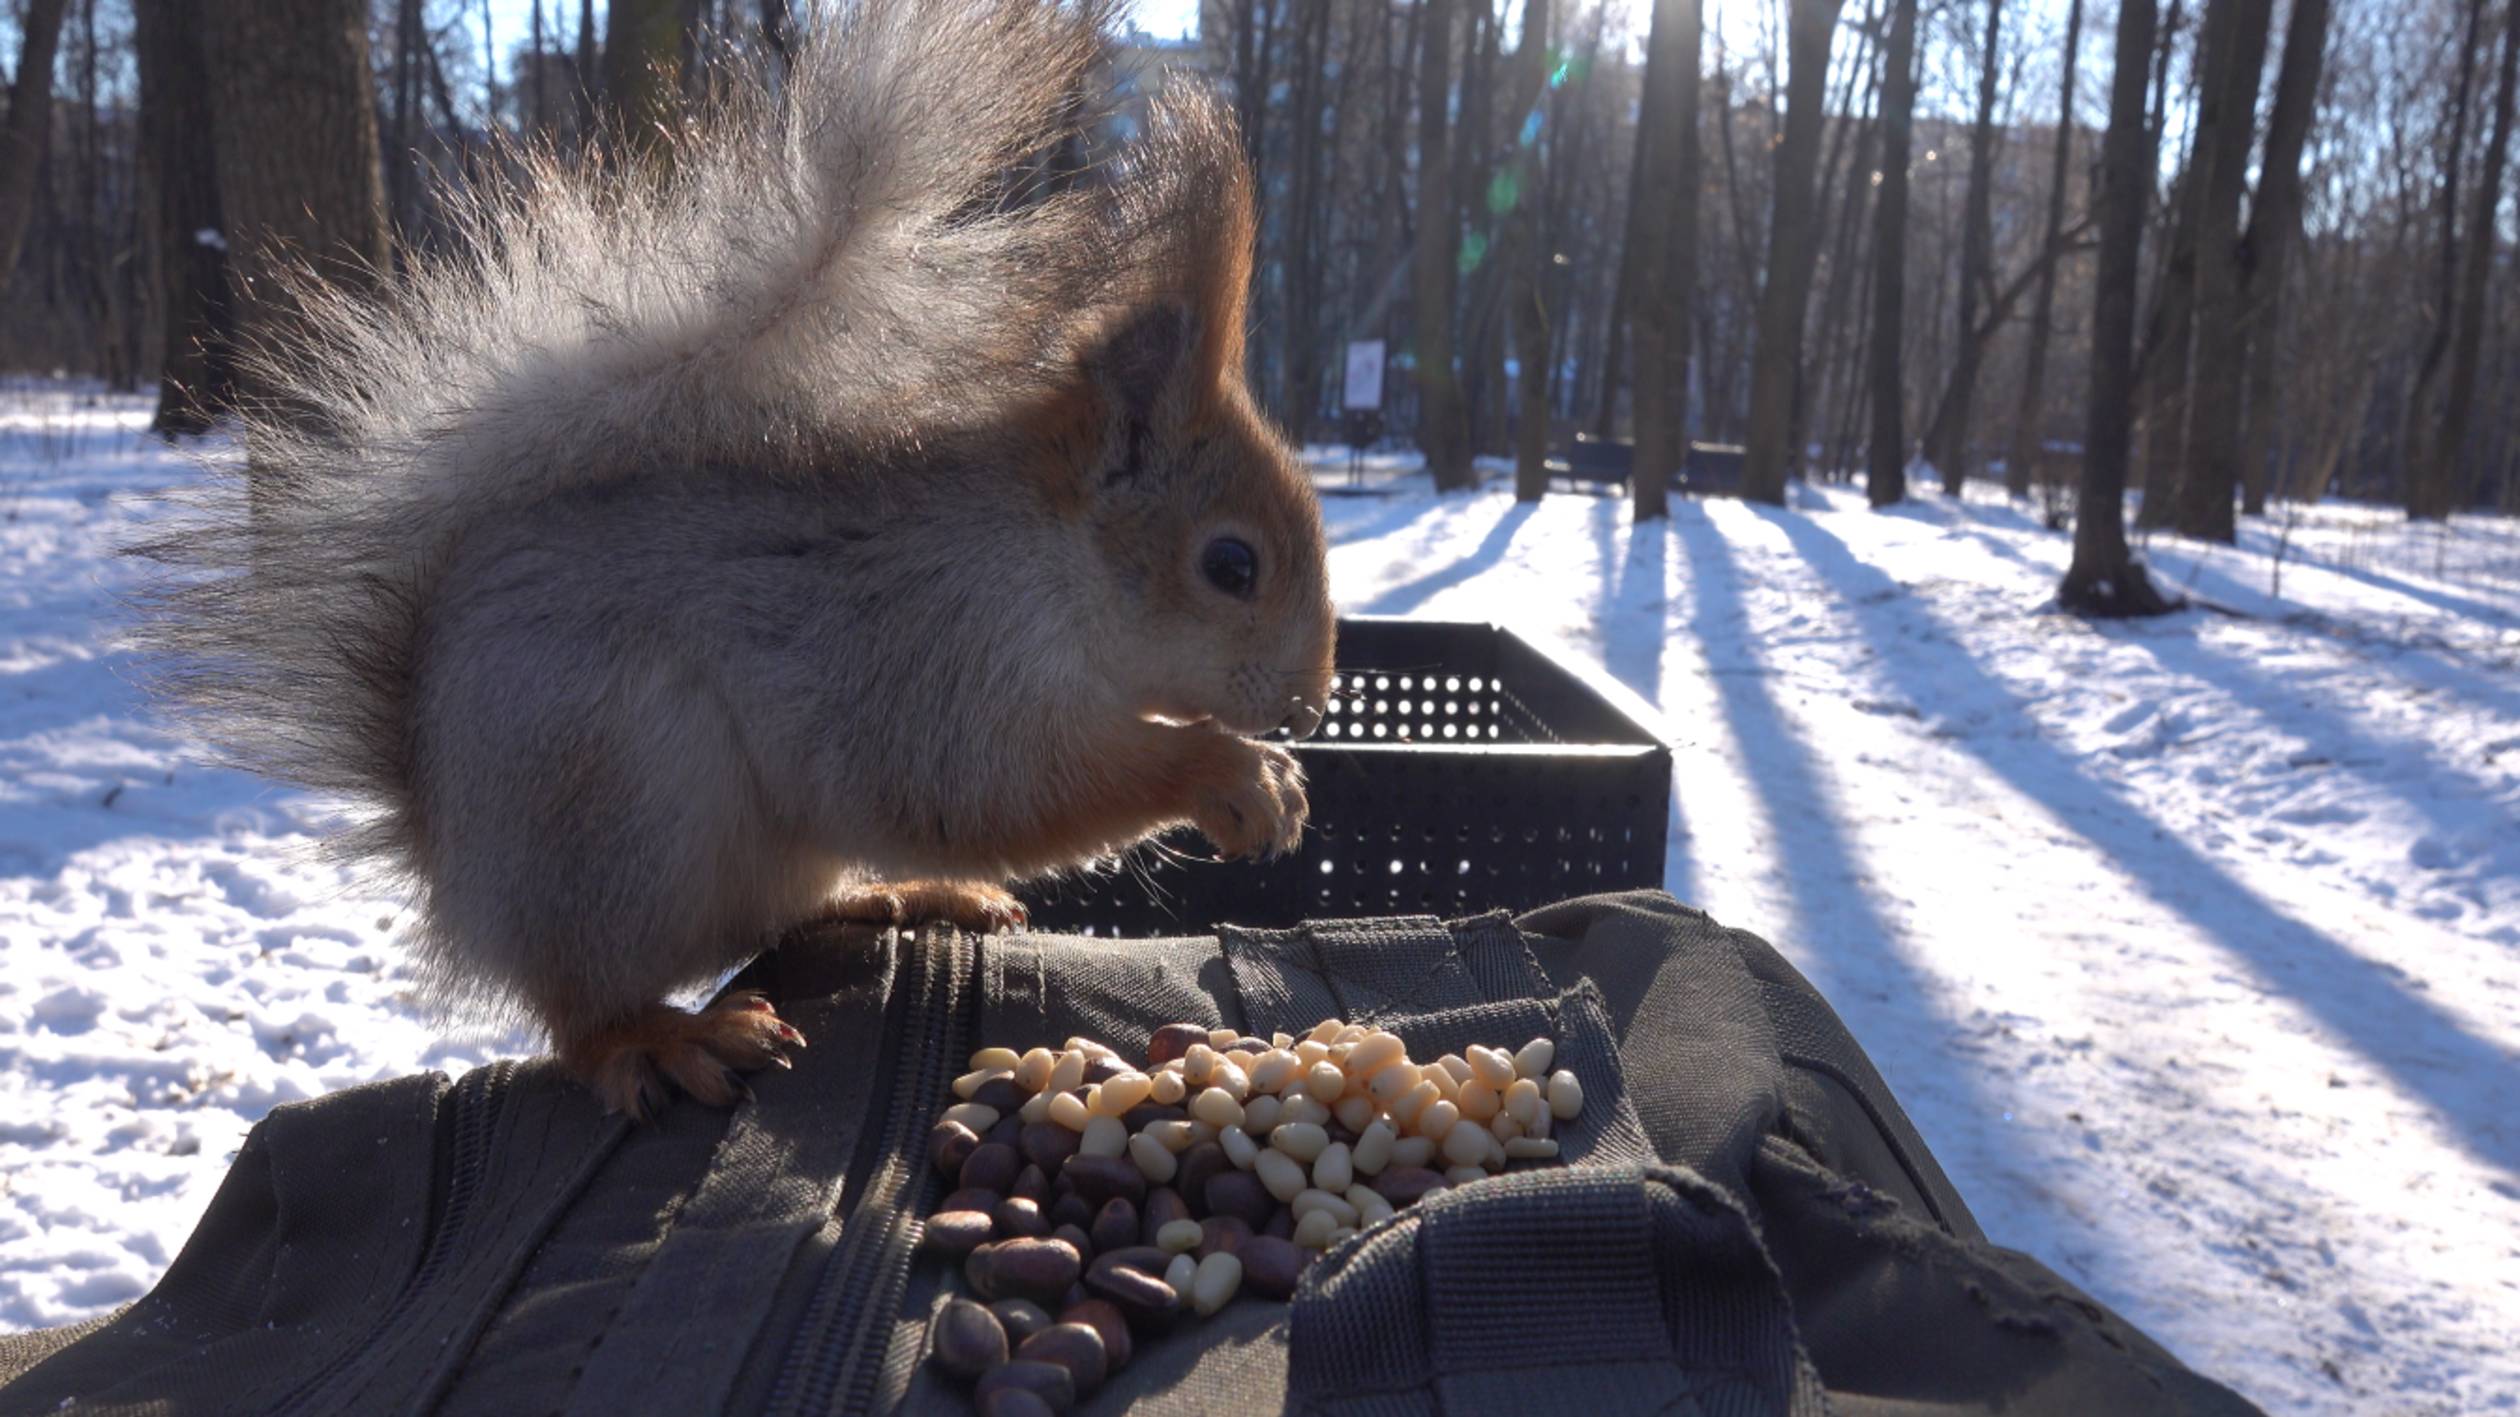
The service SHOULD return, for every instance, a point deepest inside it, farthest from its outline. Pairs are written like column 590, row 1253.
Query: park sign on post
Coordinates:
column 1364, row 374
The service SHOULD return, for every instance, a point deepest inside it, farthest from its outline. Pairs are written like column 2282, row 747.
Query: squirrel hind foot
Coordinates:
column 965, row 905
column 636, row 1067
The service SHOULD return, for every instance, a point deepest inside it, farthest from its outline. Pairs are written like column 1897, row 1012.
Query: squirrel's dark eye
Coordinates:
column 1230, row 566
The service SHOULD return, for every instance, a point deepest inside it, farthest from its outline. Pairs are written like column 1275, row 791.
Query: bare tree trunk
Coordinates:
column 2433, row 475
column 1886, row 459
column 1297, row 359
column 588, row 80
column 1947, row 441
column 29, row 130
column 2424, row 401
column 1635, row 239
column 2161, row 361
column 2274, row 225
column 1666, row 256
column 2225, row 125
column 1776, row 368
column 293, row 117
column 1441, row 431
column 1526, row 259
column 2029, row 431
column 1844, row 180
column 193, row 378
column 643, row 62
column 2105, row 578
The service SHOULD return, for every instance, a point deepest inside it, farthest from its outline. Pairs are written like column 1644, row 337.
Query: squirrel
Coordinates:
column 835, row 516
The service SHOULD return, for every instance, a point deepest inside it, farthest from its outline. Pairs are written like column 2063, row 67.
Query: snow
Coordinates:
column 2188, row 943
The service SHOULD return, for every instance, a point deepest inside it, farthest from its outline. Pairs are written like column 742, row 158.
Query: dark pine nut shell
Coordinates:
column 1047, row 1382
column 1105, row 1318
column 950, row 1144
column 1075, row 1347
column 1172, row 1041
column 1022, row 1318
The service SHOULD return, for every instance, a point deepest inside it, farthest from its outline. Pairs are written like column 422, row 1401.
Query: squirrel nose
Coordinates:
column 1302, row 720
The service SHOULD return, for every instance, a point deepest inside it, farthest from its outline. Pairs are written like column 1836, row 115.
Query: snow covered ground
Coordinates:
column 2193, row 945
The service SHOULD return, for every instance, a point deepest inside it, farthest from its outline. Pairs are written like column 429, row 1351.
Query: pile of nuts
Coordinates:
column 1122, row 1199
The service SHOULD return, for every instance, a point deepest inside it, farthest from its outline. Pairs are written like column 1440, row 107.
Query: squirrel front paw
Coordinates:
column 1257, row 806
column 966, row 905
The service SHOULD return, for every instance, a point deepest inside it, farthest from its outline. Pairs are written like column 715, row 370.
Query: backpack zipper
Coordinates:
column 836, row 1357
column 469, row 1114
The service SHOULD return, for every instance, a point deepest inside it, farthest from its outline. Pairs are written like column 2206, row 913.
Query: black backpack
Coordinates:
column 1748, row 1223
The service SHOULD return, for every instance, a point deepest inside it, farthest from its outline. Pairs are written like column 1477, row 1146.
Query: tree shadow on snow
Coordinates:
column 2467, row 1080
column 1409, row 595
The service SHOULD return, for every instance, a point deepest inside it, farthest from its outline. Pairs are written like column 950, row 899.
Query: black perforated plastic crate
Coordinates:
column 1461, row 770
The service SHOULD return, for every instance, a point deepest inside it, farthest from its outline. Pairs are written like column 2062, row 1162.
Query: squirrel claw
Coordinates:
column 979, row 909
column 636, row 1067
column 1260, row 812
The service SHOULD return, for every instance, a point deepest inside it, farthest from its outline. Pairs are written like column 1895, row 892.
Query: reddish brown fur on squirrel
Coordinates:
column 829, row 521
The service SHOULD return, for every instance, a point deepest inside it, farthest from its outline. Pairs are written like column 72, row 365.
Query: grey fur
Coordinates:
column 677, row 549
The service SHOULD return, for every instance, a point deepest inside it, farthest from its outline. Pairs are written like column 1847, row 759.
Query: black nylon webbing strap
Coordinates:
column 1364, row 970
column 1591, row 1292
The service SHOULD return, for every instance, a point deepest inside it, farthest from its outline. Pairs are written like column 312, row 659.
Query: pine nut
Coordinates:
column 1168, row 1088
column 1479, row 1101
column 1217, row 1108
column 1372, row 1151
column 1121, row 1093
column 1261, row 1113
column 1314, row 1198
column 1179, row 1273
column 1152, row 1159
column 1445, row 1084
column 1068, row 1073
column 1325, row 1031
column 1532, row 1059
column 978, row 1116
column 1464, row 1175
column 1036, row 1108
column 1273, row 1070
column 1353, row 1033
column 1411, row 1151
column 995, row 1060
column 1566, row 1095
column 1069, row 1111
column 1032, row 1071
column 1492, row 1066
column 1530, row 1149
column 1456, row 1065
column 1281, row 1040
column 1437, row 1120
column 1325, row 1082
column 1179, row 1235
column 1304, row 1109
column 1355, row 1111
column 1104, row 1136
column 1301, row 1140
column 1391, row 1081
column 1171, row 1136
column 1239, row 1148
column 1412, row 1104
column 1230, row 1080
column 1504, row 1127
column 1374, row 1052
column 1198, row 1063
column 1523, row 1101
column 1311, row 1051
column 1282, row 1174
column 1467, row 1145
column 969, row 1082
column 1221, row 1039
column 1334, row 1169
column 1313, row 1232
column 1213, row 1283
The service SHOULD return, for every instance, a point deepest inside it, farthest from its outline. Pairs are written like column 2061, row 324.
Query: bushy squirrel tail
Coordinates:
column 886, row 239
